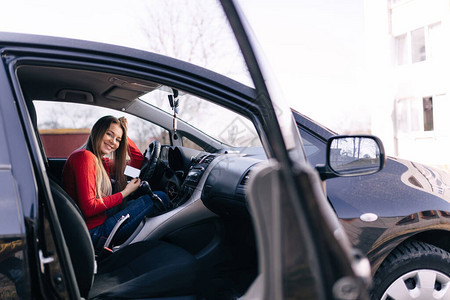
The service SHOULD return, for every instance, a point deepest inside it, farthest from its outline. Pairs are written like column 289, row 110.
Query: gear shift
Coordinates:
column 147, row 190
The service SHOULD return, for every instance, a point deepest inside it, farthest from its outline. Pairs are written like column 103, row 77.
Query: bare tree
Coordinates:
column 64, row 115
column 144, row 132
column 198, row 32
column 193, row 31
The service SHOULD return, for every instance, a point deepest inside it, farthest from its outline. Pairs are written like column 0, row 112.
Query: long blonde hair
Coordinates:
column 103, row 186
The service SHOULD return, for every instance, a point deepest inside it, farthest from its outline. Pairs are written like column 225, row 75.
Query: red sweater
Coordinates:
column 79, row 182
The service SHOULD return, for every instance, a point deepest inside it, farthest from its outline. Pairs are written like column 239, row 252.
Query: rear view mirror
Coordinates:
column 353, row 156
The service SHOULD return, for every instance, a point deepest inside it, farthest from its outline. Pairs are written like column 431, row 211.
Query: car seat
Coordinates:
column 143, row 270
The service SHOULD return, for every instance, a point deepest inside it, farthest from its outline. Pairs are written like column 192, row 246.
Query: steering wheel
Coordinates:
column 151, row 157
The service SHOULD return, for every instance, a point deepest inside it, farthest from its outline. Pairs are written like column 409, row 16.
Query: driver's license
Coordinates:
column 132, row 172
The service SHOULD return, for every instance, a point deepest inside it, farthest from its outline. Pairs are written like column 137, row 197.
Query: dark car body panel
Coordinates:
column 390, row 194
column 29, row 199
column 395, row 195
column 409, row 200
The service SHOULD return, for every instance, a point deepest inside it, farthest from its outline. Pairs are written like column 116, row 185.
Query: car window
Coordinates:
column 191, row 144
column 192, row 31
column 65, row 127
column 315, row 148
column 218, row 122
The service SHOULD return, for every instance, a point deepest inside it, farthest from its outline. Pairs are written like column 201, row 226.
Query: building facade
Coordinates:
column 416, row 85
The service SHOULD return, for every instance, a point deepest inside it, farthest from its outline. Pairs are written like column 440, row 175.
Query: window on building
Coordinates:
column 411, row 113
column 407, row 115
column 401, row 49
column 401, row 116
column 418, row 45
column 435, row 41
column 428, row 124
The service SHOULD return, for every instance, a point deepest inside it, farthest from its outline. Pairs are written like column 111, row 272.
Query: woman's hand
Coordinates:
column 124, row 122
column 132, row 186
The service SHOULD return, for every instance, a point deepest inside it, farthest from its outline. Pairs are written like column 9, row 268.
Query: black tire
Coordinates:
column 410, row 272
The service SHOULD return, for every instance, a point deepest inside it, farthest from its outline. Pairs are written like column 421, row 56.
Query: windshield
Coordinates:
column 218, row 122
column 193, row 31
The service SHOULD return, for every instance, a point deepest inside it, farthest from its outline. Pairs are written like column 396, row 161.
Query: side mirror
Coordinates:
column 352, row 156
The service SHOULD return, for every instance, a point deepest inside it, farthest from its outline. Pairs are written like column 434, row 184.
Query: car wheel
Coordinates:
column 415, row 270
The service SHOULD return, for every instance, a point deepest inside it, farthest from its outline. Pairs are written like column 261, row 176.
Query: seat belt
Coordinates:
column 113, row 232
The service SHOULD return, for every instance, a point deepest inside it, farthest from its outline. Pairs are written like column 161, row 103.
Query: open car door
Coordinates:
column 305, row 253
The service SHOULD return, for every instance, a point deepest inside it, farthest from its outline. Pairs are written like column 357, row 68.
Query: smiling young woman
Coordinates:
column 111, row 139
column 88, row 176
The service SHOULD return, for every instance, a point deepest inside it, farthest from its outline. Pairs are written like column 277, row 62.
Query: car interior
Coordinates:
column 203, row 244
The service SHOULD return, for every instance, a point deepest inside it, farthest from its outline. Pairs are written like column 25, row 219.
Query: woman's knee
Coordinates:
column 163, row 196
column 144, row 202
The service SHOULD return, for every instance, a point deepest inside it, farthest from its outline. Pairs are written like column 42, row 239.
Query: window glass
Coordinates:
column 314, row 148
column 418, row 45
column 408, row 115
column 194, row 31
column 190, row 144
column 441, row 122
column 65, row 127
column 401, row 113
column 401, row 116
column 435, row 41
column 428, row 114
column 216, row 121
column 415, row 114
column 401, row 50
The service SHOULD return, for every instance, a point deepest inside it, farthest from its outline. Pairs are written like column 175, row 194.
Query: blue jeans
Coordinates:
column 138, row 209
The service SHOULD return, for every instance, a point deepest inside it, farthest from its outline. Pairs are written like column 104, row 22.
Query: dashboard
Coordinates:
column 223, row 177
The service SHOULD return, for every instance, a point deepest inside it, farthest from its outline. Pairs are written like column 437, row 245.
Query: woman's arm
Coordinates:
column 131, row 187
column 83, row 167
column 136, row 157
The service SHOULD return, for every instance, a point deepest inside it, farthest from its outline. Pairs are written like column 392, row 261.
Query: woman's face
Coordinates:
column 111, row 140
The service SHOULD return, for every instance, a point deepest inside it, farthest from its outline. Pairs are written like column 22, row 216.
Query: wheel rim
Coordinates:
column 419, row 284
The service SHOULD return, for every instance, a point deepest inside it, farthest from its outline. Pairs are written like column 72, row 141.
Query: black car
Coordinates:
column 248, row 216
column 398, row 217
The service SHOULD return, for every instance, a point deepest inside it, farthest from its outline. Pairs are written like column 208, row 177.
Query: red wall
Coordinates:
column 60, row 145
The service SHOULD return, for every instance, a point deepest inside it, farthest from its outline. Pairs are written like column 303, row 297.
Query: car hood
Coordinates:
column 426, row 178
column 401, row 188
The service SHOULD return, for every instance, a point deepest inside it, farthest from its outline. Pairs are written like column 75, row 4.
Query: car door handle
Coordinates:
column 44, row 260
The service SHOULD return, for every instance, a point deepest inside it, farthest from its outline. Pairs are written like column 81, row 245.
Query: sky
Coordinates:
column 314, row 48
column 316, row 51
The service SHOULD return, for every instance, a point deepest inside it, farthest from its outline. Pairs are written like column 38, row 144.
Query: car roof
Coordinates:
column 79, row 83
column 17, row 40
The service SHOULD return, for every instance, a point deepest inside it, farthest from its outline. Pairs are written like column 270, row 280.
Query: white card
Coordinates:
column 132, row 172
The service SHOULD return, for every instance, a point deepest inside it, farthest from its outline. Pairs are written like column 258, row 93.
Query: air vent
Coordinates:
column 245, row 178
column 207, row 160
